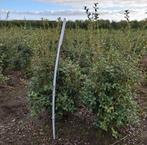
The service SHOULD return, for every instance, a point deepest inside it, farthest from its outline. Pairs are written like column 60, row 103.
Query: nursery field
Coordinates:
column 101, row 96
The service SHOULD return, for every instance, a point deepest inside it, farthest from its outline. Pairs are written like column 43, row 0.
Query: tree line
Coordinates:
column 102, row 24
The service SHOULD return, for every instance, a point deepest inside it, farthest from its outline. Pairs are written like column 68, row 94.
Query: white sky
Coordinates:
column 73, row 9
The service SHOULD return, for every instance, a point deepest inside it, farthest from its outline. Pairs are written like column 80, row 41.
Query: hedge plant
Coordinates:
column 97, row 72
column 108, row 92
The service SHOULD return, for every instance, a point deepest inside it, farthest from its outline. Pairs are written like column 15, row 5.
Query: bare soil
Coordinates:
column 18, row 128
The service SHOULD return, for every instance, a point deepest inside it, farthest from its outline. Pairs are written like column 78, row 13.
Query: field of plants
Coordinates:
column 101, row 85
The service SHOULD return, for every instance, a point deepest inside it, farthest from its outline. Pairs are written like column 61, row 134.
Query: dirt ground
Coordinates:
column 18, row 128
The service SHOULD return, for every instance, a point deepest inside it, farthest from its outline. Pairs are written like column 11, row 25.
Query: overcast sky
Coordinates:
column 71, row 9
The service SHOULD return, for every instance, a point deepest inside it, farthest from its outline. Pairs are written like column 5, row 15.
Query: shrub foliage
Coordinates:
column 98, row 70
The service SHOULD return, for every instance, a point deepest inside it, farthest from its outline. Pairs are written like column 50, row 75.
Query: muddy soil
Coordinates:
column 18, row 128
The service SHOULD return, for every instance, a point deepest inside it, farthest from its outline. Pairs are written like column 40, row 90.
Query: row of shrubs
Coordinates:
column 98, row 71
column 102, row 24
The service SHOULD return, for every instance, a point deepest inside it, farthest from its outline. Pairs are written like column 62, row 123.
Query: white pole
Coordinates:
column 55, row 78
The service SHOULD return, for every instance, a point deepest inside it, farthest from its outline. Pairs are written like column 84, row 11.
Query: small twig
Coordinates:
column 120, row 140
column 136, row 133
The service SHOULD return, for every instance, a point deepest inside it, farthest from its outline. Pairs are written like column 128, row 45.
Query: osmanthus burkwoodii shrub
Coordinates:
column 15, row 53
column 108, row 91
column 69, row 80
column 89, row 75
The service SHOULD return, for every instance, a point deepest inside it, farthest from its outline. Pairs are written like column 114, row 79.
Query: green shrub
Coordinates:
column 97, row 71
column 108, row 91
column 14, row 50
column 39, row 89
column 15, row 57
column 68, row 88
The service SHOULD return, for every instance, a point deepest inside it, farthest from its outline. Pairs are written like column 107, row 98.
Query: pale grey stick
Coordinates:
column 55, row 78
